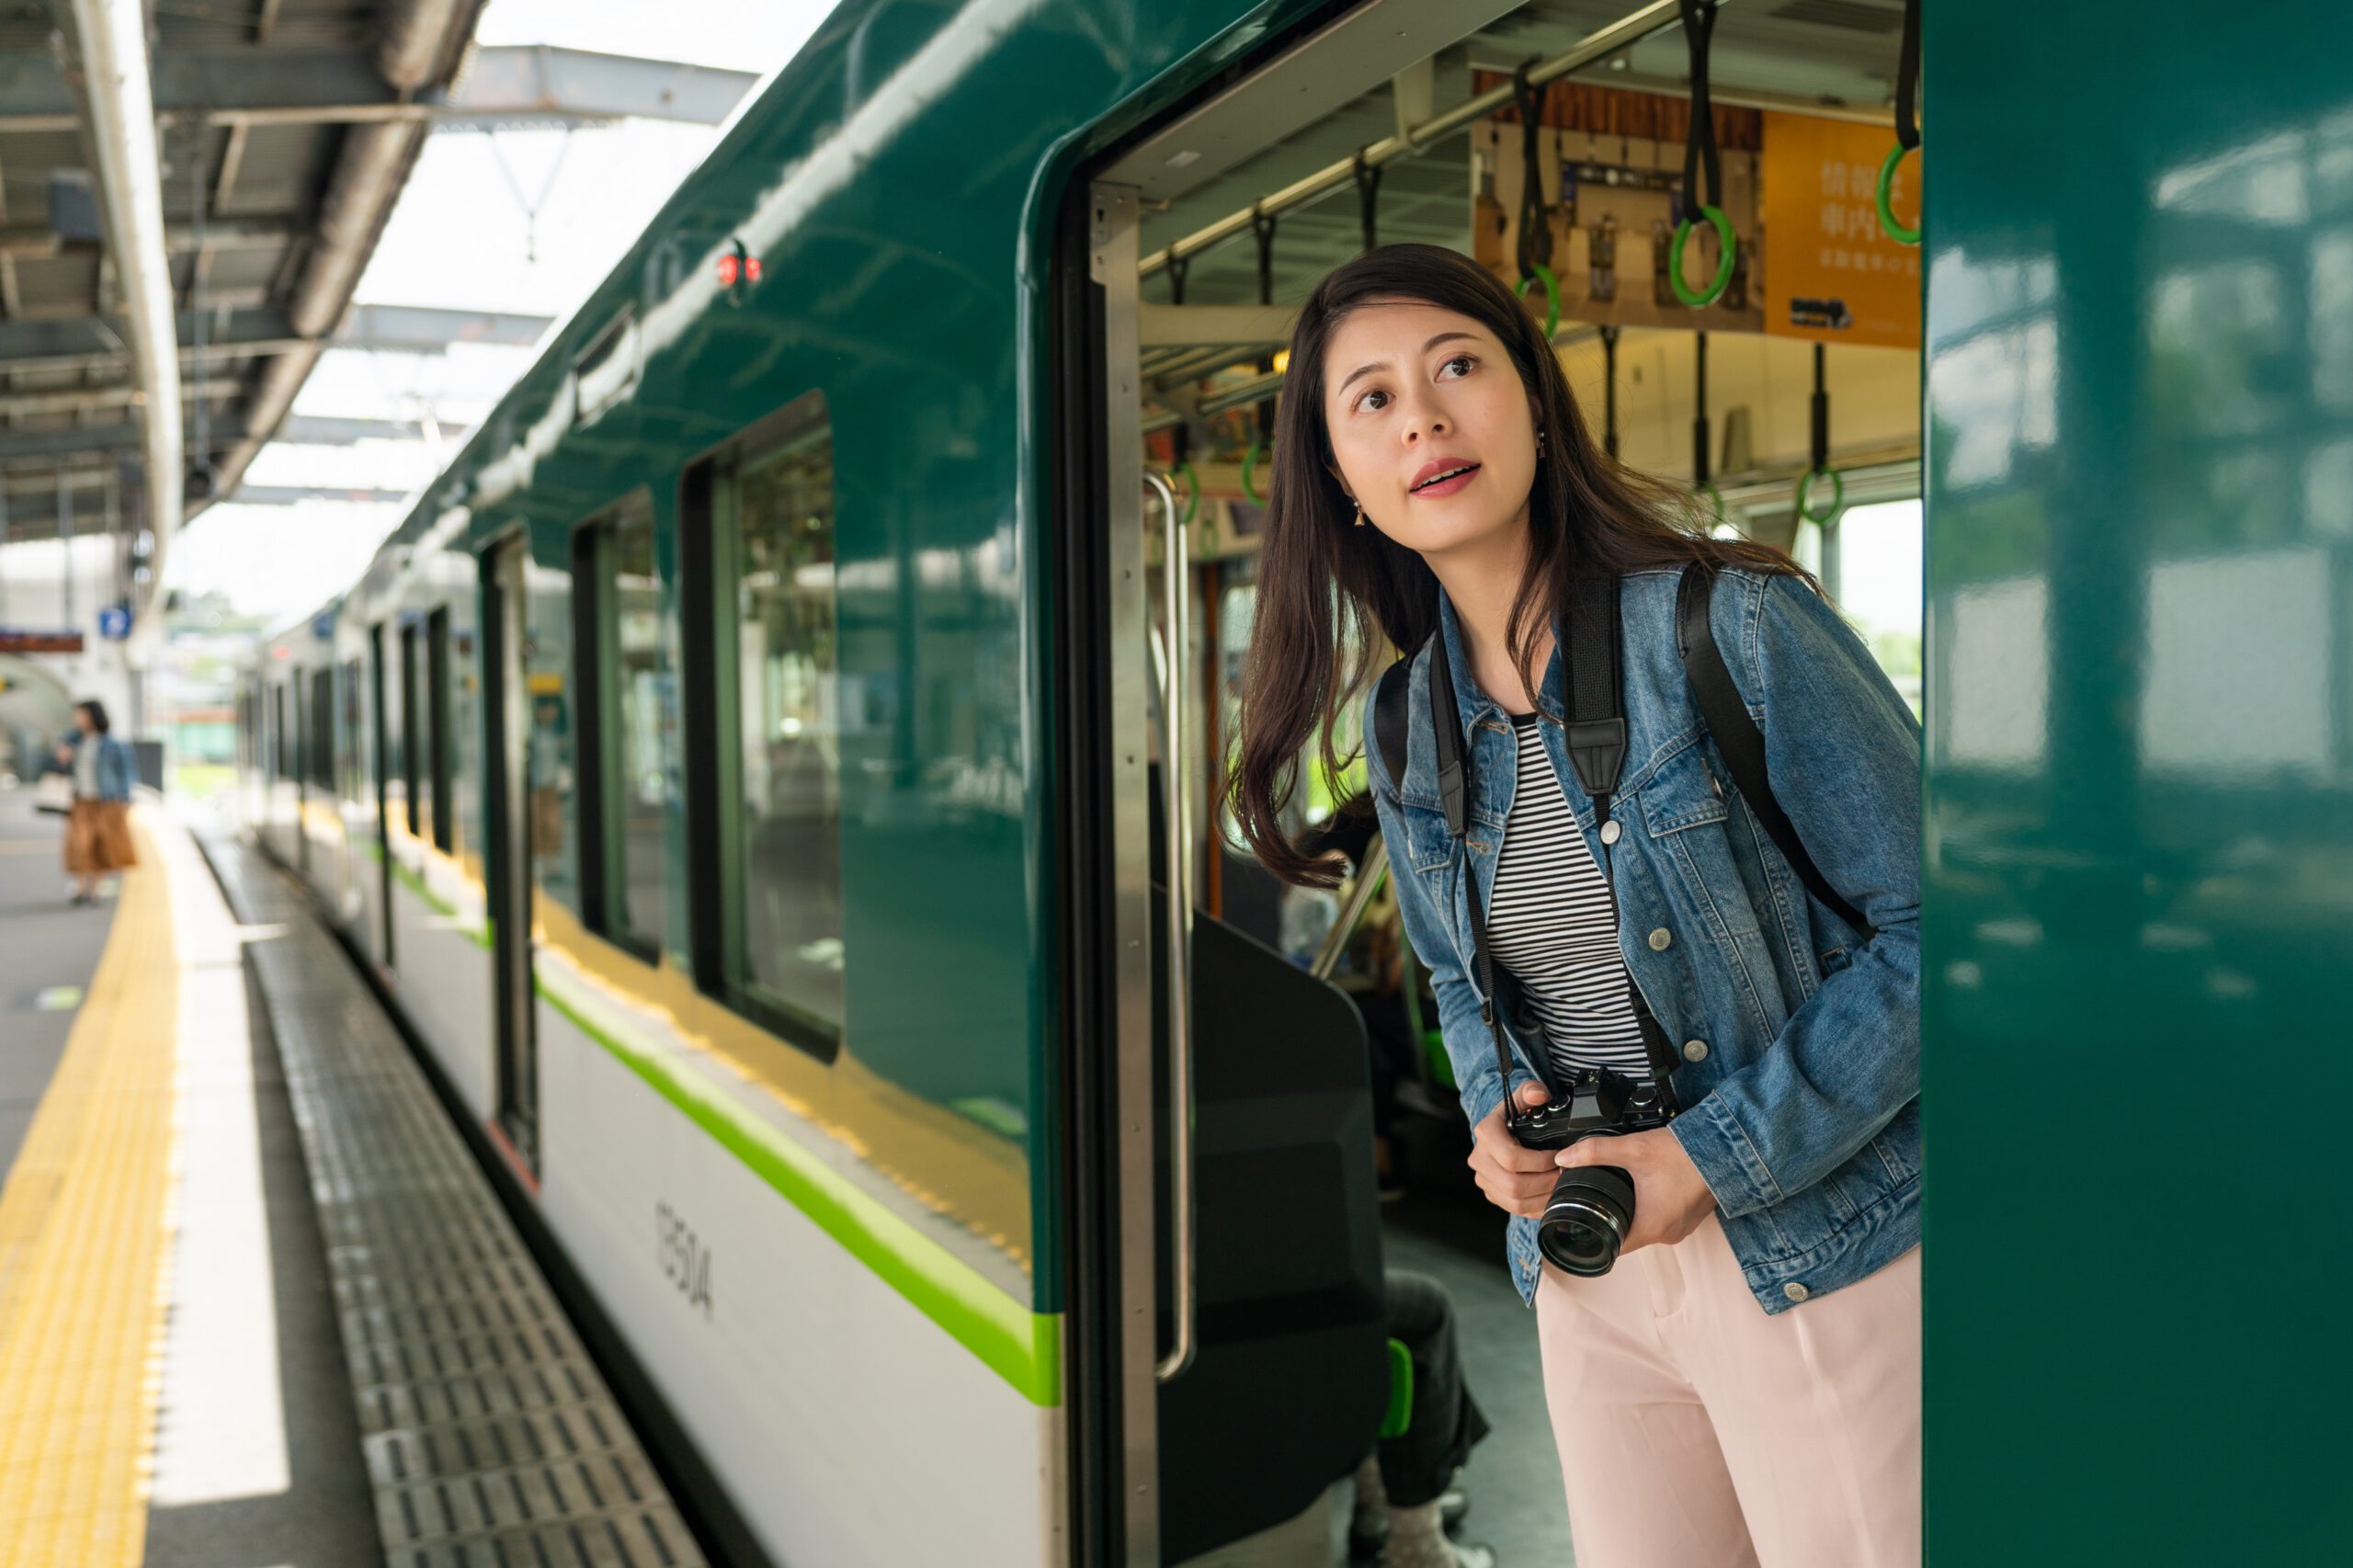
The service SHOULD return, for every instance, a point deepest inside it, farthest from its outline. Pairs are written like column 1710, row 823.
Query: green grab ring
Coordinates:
column 1707, row 487
column 1540, row 273
column 1894, row 230
column 1838, row 497
column 1726, row 241
column 1192, row 492
column 1250, row 469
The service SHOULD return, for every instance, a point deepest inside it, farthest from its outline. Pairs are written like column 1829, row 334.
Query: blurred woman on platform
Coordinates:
column 98, row 831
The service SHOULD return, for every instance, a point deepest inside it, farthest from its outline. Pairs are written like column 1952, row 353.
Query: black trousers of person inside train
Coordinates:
column 1419, row 1462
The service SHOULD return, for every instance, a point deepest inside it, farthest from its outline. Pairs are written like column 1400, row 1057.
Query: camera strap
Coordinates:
column 1597, row 744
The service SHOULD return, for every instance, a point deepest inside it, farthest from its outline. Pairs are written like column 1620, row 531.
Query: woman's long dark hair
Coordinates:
column 97, row 712
column 1586, row 515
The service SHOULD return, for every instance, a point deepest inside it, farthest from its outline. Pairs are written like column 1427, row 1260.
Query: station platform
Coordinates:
column 259, row 1304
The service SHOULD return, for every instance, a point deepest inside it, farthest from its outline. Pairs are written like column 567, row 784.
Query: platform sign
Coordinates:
column 1831, row 275
column 114, row 623
column 19, row 640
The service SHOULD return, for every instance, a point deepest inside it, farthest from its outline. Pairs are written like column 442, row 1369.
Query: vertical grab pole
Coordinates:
column 1175, row 575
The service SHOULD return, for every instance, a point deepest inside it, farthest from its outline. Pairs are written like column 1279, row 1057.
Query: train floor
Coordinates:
column 257, row 1303
column 1513, row 1479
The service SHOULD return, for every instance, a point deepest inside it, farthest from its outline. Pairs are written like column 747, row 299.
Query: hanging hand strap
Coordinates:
column 1609, row 389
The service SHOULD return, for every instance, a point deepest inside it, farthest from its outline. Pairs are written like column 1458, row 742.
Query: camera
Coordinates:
column 1592, row 1207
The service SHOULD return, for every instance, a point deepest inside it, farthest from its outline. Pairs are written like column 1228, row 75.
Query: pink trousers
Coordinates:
column 1695, row 1431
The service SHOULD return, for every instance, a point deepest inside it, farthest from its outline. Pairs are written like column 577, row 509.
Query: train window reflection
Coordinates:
column 548, row 754
column 789, row 942
column 626, row 726
column 641, row 714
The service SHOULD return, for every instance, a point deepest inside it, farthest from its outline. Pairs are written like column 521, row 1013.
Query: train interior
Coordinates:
column 1789, row 406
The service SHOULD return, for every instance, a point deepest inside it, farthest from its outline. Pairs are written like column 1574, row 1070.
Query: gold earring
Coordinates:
column 1539, row 443
column 1360, row 514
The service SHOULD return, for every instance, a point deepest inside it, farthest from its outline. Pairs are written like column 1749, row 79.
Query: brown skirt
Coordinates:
column 98, row 838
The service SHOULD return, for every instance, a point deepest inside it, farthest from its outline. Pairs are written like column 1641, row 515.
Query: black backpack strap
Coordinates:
column 1741, row 742
column 1388, row 718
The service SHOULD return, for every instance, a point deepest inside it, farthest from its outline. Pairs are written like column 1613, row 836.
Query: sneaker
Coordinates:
column 1453, row 1555
column 1369, row 1528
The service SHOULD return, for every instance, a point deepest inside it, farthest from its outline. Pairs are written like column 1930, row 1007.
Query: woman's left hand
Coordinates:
column 1670, row 1195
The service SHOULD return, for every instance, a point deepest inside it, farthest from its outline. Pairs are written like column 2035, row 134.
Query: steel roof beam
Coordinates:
column 542, row 82
column 33, row 242
column 122, row 435
column 533, row 85
column 79, row 400
column 422, row 329
column 87, row 342
column 294, row 495
column 92, row 343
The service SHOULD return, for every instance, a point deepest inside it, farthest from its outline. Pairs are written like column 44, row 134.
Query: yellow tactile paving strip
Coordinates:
column 83, row 1239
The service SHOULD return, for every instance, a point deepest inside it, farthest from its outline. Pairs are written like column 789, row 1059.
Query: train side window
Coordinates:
column 348, row 749
column 764, row 723
column 623, row 675
column 436, row 725
column 412, row 730
column 281, row 735
column 318, row 714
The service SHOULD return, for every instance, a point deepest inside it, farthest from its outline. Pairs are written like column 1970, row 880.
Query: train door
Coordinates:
column 509, row 856
column 379, row 737
column 1229, row 1360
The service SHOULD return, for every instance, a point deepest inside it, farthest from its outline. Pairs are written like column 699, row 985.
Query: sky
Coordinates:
column 523, row 222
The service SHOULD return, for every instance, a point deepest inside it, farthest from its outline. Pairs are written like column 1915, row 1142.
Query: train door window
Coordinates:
column 281, row 739
column 347, row 736
column 437, row 724
column 624, row 702
column 319, row 715
column 551, row 720
column 412, row 730
column 758, row 530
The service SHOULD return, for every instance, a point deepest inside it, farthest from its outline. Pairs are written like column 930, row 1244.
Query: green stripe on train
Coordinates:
column 480, row 937
column 1021, row 1347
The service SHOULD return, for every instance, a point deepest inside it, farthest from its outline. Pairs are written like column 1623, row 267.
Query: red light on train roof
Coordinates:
column 733, row 267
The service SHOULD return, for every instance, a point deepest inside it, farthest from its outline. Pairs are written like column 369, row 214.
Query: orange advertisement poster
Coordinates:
column 1830, row 275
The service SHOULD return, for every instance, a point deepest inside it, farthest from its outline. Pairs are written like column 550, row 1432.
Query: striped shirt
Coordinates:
column 1552, row 925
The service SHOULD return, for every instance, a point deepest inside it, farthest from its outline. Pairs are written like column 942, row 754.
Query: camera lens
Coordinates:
column 1591, row 1210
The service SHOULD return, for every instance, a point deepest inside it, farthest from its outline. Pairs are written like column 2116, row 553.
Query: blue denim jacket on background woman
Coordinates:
column 115, row 769
column 1800, row 1042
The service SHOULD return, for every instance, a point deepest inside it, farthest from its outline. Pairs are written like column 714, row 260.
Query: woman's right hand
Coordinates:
column 1516, row 1180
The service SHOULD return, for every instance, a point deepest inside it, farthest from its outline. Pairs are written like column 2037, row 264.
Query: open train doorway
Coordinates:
column 1776, row 374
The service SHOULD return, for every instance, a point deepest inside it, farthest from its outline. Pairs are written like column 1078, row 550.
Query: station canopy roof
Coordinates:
column 283, row 133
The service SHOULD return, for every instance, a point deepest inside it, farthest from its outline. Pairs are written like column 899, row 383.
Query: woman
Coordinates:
column 98, row 832
column 1742, row 1387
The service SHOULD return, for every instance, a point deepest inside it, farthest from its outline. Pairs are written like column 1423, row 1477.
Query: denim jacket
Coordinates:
column 1800, row 1042
column 115, row 768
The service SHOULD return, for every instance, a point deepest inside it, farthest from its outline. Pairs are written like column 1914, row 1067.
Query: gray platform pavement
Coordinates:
column 490, row 1437
column 47, row 951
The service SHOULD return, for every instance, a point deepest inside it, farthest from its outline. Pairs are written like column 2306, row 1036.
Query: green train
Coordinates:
column 769, row 770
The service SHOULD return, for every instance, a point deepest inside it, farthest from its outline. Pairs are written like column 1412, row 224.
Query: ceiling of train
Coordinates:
column 1784, row 53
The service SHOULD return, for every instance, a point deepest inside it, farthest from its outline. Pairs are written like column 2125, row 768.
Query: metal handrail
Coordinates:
column 1175, row 773
column 1344, row 925
column 1620, row 34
